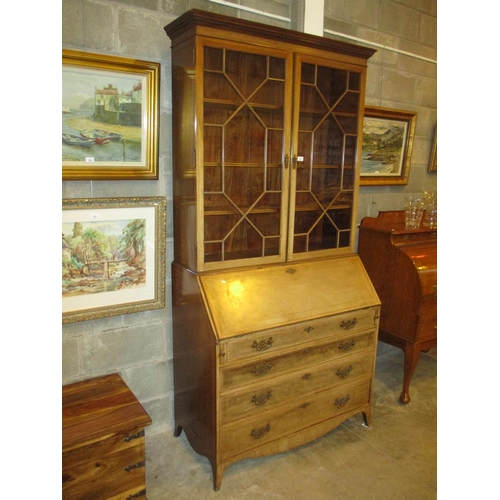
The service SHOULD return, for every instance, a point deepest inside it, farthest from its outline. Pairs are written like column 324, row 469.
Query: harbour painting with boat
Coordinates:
column 102, row 116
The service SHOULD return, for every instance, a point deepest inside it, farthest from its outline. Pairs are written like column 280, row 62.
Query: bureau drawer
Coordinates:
column 294, row 386
column 270, row 366
column 275, row 339
column 109, row 468
column 241, row 436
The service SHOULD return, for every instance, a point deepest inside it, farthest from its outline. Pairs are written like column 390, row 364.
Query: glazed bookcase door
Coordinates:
column 245, row 134
column 324, row 159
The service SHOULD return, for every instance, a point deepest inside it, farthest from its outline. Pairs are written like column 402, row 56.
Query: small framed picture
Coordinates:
column 388, row 137
column 113, row 256
column 109, row 117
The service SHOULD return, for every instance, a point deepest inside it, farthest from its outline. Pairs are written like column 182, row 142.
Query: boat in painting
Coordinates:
column 112, row 135
column 98, row 138
column 75, row 140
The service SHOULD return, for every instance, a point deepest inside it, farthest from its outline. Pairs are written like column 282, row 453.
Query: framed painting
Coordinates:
column 113, row 256
column 433, row 158
column 110, row 113
column 388, row 137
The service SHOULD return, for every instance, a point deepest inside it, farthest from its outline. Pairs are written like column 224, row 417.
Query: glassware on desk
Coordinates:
column 413, row 212
column 430, row 209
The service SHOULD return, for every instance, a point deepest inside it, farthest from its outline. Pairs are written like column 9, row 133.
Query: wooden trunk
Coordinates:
column 102, row 441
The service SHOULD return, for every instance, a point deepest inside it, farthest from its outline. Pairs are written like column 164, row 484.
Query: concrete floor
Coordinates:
column 396, row 458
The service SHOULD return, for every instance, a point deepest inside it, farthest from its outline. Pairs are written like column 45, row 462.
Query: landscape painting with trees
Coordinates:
column 113, row 256
column 103, row 256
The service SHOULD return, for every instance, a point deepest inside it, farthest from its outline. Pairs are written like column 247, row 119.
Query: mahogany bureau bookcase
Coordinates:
column 102, row 441
column 275, row 319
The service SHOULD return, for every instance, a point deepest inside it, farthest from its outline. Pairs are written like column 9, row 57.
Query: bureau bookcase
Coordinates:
column 275, row 319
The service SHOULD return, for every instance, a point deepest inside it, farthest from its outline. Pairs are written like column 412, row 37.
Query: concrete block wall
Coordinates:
column 135, row 345
column 138, row 346
column 396, row 80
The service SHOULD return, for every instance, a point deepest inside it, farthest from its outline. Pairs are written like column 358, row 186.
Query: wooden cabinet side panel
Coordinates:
column 194, row 363
column 396, row 281
column 184, row 152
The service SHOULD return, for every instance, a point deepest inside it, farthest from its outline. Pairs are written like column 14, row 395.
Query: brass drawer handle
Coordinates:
column 138, row 465
column 344, row 372
column 261, row 369
column 347, row 324
column 141, row 493
column 258, row 433
column 347, row 346
column 262, row 345
column 261, row 398
column 135, row 436
column 340, row 402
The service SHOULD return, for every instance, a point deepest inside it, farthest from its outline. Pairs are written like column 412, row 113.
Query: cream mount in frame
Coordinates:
column 110, row 117
column 113, row 256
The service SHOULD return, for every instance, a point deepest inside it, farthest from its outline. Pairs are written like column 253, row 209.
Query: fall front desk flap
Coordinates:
column 251, row 300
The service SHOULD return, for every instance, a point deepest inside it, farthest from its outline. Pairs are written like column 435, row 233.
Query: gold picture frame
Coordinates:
column 388, row 136
column 433, row 158
column 110, row 117
column 113, row 256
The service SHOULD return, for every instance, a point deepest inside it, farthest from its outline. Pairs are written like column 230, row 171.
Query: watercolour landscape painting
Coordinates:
column 103, row 256
column 111, row 250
